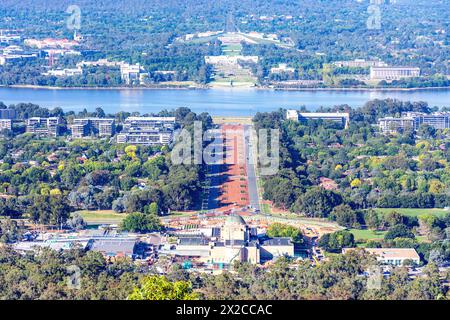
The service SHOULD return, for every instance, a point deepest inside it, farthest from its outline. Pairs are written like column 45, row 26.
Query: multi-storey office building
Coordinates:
column 342, row 117
column 103, row 127
column 393, row 73
column 5, row 124
column 414, row 120
column 149, row 123
column 7, row 114
column 393, row 125
column 147, row 130
column 437, row 120
column 360, row 63
column 145, row 137
column 45, row 126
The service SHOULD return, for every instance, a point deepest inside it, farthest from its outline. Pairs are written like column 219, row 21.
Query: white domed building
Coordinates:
column 234, row 241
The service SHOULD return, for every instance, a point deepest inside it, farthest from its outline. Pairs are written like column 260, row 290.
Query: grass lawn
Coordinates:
column 413, row 212
column 376, row 235
column 182, row 213
column 201, row 40
column 367, row 234
column 422, row 239
column 240, row 120
column 101, row 216
column 265, row 208
column 232, row 50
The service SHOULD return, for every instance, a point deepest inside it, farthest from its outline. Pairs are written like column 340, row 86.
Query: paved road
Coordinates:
column 250, row 157
column 215, row 176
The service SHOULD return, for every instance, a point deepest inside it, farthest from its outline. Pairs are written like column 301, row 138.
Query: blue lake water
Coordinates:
column 219, row 102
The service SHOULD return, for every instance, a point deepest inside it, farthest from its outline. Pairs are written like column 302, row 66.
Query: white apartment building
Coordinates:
column 149, row 123
column 360, row 63
column 413, row 121
column 102, row 127
column 145, row 137
column 393, row 125
column 5, row 124
column 147, row 130
column 45, row 126
column 8, row 38
column 69, row 72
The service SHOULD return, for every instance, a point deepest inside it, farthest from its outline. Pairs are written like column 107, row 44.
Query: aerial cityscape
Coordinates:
column 225, row 150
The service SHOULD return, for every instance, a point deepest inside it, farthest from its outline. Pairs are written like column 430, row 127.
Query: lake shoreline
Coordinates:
column 362, row 89
column 219, row 102
column 26, row 86
column 121, row 88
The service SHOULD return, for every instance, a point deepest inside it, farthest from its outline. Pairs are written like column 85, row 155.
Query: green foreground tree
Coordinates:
column 283, row 230
column 141, row 222
column 160, row 288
